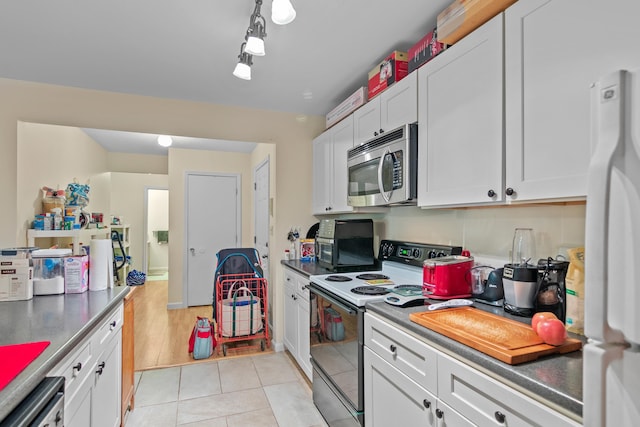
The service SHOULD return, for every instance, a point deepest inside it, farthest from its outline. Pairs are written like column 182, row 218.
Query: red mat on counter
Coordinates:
column 14, row 358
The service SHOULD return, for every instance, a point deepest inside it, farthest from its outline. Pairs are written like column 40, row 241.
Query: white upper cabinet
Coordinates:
column 554, row 51
column 460, row 132
column 396, row 106
column 330, row 173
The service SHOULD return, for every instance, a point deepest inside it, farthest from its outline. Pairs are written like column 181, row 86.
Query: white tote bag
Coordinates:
column 241, row 312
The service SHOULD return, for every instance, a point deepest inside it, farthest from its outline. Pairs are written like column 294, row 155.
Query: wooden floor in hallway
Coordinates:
column 161, row 336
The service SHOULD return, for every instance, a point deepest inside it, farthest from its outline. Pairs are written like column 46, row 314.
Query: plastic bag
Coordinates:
column 574, row 283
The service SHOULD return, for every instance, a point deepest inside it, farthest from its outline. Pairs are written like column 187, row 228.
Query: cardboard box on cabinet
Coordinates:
column 425, row 50
column 357, row 99
column 464, row 16
column 392, row 69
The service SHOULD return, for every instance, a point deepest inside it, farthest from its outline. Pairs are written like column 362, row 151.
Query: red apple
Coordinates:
column 552, row 331
column 538, row 317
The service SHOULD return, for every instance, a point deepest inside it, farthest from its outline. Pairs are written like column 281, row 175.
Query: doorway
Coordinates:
column 262, row 212
column 156, row 235
column 213, row 222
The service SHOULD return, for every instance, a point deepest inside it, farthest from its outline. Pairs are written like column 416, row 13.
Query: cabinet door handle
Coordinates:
column 100, row 368
column 375, row 133
column 77, row 367
column 500, row 417
column 305, row 287
column 439, row 413
column 392, row 348
column 426, row 403
column 491, row 193
column 510, row 191
column 381, row 131
column 113, row 325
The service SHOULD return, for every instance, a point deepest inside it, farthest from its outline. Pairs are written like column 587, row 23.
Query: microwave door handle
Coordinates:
column 385, row 196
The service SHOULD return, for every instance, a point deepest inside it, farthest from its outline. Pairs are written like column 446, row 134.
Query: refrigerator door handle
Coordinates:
column 597, row 359
column 607, row 111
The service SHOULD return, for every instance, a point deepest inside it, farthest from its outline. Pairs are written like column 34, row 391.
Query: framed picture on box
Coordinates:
column 307, row 249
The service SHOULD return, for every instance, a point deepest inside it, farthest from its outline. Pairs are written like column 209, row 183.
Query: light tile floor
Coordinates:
column 262, row 390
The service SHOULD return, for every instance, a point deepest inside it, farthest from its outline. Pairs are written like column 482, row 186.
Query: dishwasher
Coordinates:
column 43, row 407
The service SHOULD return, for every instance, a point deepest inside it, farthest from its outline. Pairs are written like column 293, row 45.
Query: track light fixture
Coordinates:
column 256, row 32
column 243, row 67
column 282, row 13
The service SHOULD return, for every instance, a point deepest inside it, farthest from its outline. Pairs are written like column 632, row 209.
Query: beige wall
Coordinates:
column 49, row 104
column 127, row 200
column 128, row 162
column 489, row 231
column 54, row 156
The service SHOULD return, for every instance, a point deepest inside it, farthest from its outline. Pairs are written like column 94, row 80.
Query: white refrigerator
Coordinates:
column 611, row 370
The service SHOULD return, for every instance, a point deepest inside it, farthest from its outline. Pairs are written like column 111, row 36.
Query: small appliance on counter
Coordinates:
column 48, row 271
column 346, row 245
column 520, row 278
column 486, row 285
column 551, row 287
column 447, row 277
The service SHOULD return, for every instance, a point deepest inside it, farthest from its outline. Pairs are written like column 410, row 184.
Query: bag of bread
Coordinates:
column 574, row 283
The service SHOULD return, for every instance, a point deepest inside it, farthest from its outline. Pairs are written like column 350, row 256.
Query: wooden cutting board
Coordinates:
column 507, row 340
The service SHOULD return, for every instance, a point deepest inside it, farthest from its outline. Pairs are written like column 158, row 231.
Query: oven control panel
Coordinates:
column 414, row 253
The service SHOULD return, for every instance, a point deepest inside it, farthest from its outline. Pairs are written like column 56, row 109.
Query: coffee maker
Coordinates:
column 520, row 277
column 551, row 287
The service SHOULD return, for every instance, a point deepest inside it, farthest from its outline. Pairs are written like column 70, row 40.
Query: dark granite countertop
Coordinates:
column 555, row 381
column 64, row 320
column 306, row 268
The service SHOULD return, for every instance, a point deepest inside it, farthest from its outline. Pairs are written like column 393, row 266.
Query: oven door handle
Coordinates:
column 384, row 195
column 332, row 300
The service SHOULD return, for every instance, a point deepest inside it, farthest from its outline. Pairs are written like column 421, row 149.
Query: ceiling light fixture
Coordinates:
column 165, row 140
column 256, row 32
column 282, row 12
column 243, row 67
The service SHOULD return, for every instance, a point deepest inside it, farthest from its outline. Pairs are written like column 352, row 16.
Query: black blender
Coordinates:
column 551, row 287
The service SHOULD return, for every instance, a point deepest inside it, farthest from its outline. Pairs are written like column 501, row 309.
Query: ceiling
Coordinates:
column 188, row 49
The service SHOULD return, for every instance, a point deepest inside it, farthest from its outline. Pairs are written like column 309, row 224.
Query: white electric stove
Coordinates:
column 336, row 318
column 400, row 275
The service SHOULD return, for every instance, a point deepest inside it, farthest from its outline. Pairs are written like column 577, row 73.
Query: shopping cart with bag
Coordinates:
column 240, row 299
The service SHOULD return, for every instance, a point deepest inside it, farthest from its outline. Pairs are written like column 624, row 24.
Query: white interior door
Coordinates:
column 261, row 221
column 213, row 223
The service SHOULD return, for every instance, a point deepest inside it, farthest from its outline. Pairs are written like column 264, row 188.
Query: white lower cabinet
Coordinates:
column 486, row 401
column 93, row 372
column 390, row 396
column 296, row 318
column 409, row 382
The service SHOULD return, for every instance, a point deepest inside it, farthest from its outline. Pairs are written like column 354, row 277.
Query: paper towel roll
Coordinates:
column 100, row 264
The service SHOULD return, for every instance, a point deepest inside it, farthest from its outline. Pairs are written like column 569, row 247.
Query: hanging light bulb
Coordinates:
column 256, row 32
column 243, row 67
column 282, row 12
column 165, row 140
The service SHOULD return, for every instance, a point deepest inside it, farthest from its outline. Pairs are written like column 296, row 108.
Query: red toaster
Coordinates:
column 447, row 277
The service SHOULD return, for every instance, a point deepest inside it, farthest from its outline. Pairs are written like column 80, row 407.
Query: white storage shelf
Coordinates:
column 83, row 236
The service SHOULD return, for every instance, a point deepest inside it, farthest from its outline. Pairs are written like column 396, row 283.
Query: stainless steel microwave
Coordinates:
column 384, row 170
